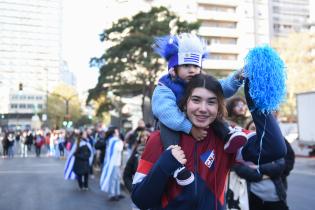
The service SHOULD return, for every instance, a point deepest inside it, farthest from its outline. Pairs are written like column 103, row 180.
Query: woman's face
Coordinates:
column 202, row 107
column 239, row 108
column 84, row 134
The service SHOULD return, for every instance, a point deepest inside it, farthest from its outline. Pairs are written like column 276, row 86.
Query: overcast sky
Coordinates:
column 83, row 21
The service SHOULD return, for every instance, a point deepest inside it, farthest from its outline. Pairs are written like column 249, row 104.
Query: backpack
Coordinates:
column 83, row 153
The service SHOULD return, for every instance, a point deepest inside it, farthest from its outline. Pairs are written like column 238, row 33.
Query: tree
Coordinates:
column 297, row 50
column 63, row 104
column 129, row 66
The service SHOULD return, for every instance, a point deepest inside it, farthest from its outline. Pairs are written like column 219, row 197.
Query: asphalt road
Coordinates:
column 37, row 184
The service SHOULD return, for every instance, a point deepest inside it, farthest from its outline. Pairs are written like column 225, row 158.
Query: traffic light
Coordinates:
column 20, row 86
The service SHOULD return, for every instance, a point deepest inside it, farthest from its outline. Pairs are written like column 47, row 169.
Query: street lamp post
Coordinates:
column 67, row 103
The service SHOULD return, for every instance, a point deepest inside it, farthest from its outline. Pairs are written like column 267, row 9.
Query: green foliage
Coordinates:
column 57, row 106
column 129, row 66
column 296, row 51
column 84, row 120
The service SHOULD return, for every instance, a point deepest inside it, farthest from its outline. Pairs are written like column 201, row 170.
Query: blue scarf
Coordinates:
column 177, row 85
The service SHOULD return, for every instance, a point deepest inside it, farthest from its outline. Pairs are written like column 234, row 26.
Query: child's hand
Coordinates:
column 178, row 154
column 198, row 133
column 240, row 74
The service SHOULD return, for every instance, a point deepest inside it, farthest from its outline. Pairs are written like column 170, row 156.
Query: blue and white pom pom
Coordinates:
column 266, row 73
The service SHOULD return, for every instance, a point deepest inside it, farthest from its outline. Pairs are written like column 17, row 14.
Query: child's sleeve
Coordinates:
column 165, row 108
column 230, row 84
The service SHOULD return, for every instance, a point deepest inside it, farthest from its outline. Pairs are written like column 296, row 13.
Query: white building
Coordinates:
column 30, row 53
column 289, row 16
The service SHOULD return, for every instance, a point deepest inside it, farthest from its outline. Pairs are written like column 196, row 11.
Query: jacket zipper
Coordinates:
column 195, row 169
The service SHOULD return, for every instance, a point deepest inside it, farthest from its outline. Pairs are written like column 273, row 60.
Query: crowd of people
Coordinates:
column 54, row 143
column 206, row 152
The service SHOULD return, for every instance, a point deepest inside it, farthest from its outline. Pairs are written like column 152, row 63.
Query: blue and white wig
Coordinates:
column 181, row 49
column 266, row 73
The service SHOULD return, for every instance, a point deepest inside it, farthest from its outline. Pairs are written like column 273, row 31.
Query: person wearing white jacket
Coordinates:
column 111, row 175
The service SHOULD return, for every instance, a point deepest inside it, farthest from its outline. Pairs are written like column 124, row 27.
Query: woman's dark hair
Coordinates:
column 79, row 139
column 210, row 83
column 110, row 131
column 231, row 103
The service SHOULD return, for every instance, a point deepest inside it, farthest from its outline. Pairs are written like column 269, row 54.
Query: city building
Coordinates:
column 67, row 76
column 30, row 56
column 288, row 16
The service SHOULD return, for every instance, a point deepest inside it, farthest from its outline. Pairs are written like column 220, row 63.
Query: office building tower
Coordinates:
column 30, row 53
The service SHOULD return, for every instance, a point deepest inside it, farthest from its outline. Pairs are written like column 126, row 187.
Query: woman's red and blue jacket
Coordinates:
column 155, row 188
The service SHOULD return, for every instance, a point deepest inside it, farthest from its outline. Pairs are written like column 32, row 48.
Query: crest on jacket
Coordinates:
column 208, row 158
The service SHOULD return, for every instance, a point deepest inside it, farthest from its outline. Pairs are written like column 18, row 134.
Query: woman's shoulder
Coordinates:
column 153, row 147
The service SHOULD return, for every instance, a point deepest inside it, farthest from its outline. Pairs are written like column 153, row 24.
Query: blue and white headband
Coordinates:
column 181, row 49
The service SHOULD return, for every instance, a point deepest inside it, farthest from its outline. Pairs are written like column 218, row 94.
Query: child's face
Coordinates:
column 187, row 71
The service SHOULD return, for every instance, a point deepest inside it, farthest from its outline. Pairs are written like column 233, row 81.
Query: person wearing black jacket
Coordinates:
column 132, row 163
column 267, row 183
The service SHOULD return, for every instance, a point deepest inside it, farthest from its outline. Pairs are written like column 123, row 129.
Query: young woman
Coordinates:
column 154, row 186
column 110, row 177
column 79, row 161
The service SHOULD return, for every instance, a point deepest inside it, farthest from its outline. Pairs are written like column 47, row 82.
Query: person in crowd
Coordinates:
column 236, row 192
column 79, row 161
column 17, row 138
column 237, row 112
column 132, row 162
column 184, row 53
column 29, row 140
column 267, row 189
column 92, row 140
column 61, row 144
column 100, row 147
column 132, row 136
column 39, row 142
column 110, row 177
column 23, row 144
column 5, row 144
column 154, row 186
column 11, row 140
column 47, row 143
column 69, row 140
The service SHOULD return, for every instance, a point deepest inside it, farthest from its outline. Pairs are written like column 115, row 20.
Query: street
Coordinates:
column 37, row 184
column 301, row 185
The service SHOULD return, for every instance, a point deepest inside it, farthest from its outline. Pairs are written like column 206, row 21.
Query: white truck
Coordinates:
column 306, row 120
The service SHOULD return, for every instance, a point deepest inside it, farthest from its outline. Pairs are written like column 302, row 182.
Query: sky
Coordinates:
column 83, row 21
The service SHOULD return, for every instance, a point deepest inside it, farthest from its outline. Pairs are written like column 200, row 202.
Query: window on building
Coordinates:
column 275, row 9
column 23, row 97
column 30, row 106
column 223, row 56
column 217, row 8
column 14, row 106
column 220, row 24
column 221, row 40
column 14, row 97
column 276, row 27
column 22, row 106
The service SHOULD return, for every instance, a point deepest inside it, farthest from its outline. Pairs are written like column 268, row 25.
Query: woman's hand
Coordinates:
column 178, row 154
column 198, row 133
